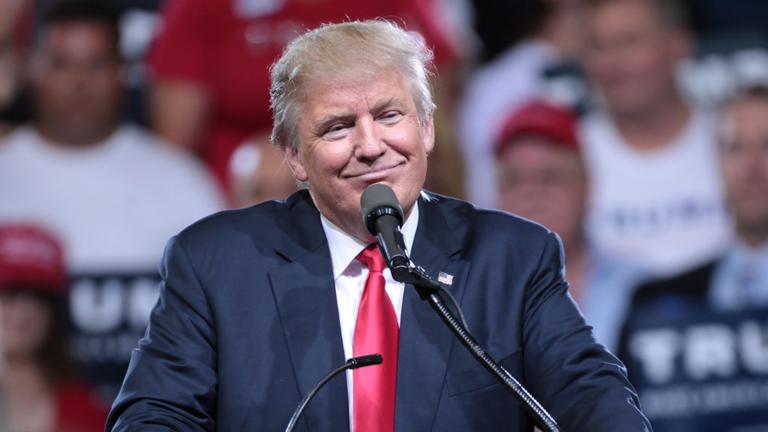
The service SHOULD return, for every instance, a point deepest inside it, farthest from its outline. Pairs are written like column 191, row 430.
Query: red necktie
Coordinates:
column 376, row 331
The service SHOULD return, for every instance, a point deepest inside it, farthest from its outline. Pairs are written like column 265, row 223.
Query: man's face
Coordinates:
column 355, row 134
column 76, row 75
column 744, row 156
column 544, row 182
column 632, row 54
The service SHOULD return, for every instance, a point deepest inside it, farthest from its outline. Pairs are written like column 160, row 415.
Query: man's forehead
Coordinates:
column 345, row 95
column 74, row 29
column 746, row 119
column 75, row 38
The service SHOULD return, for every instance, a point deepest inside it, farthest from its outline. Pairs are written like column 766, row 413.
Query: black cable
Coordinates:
column 353, row 363
column 455, row 306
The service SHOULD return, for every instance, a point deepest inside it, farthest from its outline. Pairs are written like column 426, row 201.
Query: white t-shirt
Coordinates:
column 113, row 205
column 662, row 209
column 491, row 93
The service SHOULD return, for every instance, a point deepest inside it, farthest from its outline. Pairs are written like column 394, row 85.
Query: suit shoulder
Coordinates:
column 487, row 224
column 227, row 224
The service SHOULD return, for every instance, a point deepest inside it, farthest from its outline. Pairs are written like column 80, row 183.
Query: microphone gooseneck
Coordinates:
column 382, row 216
column 353, row 363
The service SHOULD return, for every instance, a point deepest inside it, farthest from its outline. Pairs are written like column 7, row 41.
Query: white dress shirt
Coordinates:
column 741, row 279
column 349, row 276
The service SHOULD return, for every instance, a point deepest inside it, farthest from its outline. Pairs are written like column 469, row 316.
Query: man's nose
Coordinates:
column 369, row 143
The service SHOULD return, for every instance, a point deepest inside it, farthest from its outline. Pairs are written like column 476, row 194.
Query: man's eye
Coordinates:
column 335, row 130
column 391, row 116
column 734, row 148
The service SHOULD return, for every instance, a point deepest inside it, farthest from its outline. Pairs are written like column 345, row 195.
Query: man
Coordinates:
column 258, row 304
column 655, row 194
column 691, row 332
column 112, row 192
column 541, row 176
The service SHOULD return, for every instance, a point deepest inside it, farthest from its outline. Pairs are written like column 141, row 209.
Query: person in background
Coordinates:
column 541, row 176
column 38, row 388
column 551, row 35
column 726, row 295
column 112, row 192
column 15, row 35
column 258, row 173
column 210, row 65
column 655, row 193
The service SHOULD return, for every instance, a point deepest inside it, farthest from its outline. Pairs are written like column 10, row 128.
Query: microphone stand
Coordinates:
column 429, row 290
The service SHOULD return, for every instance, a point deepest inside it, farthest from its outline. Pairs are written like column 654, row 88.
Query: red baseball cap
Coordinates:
column 31, row 258
column 539, row 118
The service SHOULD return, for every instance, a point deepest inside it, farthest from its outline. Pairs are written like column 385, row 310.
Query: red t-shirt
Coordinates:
column 78, row 409
column 228, row 50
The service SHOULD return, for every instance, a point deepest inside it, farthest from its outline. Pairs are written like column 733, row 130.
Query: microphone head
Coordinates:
column 377, row 200
column 363, row 361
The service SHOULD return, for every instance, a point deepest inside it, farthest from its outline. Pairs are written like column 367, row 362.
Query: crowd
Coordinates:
column 637, row 130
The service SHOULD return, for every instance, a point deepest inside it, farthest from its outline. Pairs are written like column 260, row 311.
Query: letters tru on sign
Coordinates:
column 707, row 350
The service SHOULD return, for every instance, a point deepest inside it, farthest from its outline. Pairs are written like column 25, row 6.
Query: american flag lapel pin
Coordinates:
column 445, row 278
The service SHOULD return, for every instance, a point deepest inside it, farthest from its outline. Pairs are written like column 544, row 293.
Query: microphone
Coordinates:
column 363, row 361
column 353, row 363
column 383, row 216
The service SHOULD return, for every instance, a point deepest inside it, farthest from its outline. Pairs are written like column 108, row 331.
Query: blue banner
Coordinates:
column 700, row 370
column 109, row 314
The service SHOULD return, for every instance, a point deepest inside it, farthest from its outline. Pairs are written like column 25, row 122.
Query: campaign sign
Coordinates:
column 701, row 370
column 109, row 314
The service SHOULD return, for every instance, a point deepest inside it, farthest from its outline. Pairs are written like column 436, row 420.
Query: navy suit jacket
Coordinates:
column 247, row 323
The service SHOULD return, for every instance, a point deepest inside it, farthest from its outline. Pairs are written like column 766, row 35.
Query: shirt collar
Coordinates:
column 345, row 248
column 743, row 253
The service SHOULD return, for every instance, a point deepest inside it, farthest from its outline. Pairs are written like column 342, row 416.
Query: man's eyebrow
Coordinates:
column 388, row 103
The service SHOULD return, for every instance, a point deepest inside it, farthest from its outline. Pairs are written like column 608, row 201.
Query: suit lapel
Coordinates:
column 305, row 296
column 425, row 341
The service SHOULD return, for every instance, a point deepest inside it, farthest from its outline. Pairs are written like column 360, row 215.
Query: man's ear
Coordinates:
column 428, row 134
column 293, row 159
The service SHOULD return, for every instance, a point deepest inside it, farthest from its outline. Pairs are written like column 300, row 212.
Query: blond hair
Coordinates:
column 346, row 51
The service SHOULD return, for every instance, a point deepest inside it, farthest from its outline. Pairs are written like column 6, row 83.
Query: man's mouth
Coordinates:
column 375, row 173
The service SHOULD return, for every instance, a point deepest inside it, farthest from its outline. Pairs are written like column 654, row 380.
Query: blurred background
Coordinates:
column 637, row 130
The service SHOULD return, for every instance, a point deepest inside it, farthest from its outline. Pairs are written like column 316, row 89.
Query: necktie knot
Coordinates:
column 371, row 257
